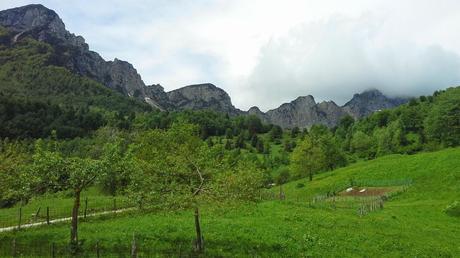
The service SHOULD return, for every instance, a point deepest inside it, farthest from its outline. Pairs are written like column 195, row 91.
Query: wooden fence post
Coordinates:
column 134, row 247
column 13, row 248
column 114, row 208
column 37, row 213
column 97, row 249
column 47, row 215
column 199, row 242
column 86, row 207
column 20, row 218
column 53, row 250
column 282, row 195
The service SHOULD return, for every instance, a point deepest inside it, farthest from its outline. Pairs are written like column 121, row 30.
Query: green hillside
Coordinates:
column 37, row 97
column 412, row 223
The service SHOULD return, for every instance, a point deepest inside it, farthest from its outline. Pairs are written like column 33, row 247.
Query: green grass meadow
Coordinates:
column 411, row 224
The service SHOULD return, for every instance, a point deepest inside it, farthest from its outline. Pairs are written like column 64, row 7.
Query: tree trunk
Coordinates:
column 74, row 226
column 310, row 175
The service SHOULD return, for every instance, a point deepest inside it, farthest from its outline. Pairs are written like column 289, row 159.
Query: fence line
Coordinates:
column 40, row 215
column 135, row 247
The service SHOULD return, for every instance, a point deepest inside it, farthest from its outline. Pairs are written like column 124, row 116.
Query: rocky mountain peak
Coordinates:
column 202, row 96
column 254, row 110
column 71, row 51
column 304, row 101
column 369, row 101
column 305, row 112
column 30, row 17
column 41, row 23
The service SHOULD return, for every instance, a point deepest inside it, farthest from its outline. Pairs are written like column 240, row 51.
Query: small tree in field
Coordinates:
column 307, row 158
column 175, row 166
column 50, row 171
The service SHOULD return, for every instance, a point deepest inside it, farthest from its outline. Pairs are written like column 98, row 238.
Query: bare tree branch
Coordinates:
column 200, row 187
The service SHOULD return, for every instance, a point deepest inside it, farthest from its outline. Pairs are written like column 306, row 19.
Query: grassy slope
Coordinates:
column 412, row 224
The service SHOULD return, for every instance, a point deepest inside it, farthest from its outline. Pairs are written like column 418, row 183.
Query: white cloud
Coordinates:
column 264, row 52
column 342, row 56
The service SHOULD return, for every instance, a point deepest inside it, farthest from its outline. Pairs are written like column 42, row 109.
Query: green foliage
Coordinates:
column 12, row 157
column 50, row 171
column 243, row 181
column 276, row 133
column 429, row 123
column 119, row 166
column 283, row 176
column 25, row 119
column 443, row 121
column 308, row 158
column 361, row 145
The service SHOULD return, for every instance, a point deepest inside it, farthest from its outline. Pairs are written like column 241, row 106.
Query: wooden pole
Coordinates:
column 47, row 215
column 282, row 196
column 134, row 247
column 199, row 238
column 53, row 250
column 13, row 248
column 86, row 207
column 97, row 249
column 20, row 218
column 37, row 213
column 114, row 206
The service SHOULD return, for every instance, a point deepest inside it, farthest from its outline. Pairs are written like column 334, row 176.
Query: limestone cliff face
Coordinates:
column 202, row 96
column 42, row 23
column 305, row 112
column 71, row 51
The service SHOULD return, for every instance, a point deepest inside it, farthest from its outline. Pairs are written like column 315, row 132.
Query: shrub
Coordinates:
column 453, row 209
column 300, row 185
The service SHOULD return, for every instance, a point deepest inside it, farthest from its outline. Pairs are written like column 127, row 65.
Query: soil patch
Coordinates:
column 366, row 191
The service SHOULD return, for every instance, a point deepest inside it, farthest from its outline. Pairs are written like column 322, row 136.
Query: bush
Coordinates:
column 300, row 185
column 453, row 209
column 283, row 176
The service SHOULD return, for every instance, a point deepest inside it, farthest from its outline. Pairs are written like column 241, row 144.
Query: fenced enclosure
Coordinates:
column 362, row 196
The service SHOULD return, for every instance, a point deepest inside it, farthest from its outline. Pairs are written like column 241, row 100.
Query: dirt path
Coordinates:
column 54, row 221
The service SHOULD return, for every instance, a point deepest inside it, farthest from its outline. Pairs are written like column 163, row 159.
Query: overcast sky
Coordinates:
column 265, row 52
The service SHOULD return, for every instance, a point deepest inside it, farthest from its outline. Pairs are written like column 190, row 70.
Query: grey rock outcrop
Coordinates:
column 305, row 112
column 370, row 101
column 202, row 96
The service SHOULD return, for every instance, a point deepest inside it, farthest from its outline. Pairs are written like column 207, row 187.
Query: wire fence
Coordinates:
column 49, row 212
column 135, row 247
column 361, row 204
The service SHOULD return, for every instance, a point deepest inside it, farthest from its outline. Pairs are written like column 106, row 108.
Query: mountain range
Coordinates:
column 71, row 52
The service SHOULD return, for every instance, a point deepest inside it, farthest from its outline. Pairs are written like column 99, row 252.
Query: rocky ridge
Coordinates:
column 72, row 52
column 305, row 112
